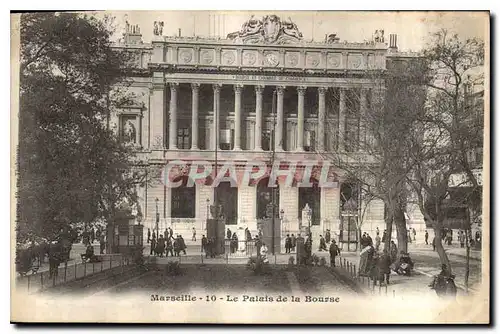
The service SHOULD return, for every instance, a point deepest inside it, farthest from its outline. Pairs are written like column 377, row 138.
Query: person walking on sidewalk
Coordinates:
column 414, row 234
column 288, row 244
column 377, row 242
column 149, row 235
column 334, row 251
column 194, row 235
column 434, row 243
column 461, row 237
column 426, row 237
column 322, row 244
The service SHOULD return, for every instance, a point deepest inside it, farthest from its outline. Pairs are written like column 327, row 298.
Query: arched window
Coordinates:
column 312, row 197
column 265, row 199
column 183, row 200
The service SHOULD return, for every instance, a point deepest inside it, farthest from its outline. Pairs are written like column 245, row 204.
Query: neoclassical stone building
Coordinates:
column 262, row 93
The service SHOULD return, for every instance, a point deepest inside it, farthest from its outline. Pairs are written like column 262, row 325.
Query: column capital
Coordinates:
column 173, row 85
column 280, row 89
column 195, row 86
column 322, row 90
column 259, row 89
column 216, row 87
column 238, row 88
column 301, row 90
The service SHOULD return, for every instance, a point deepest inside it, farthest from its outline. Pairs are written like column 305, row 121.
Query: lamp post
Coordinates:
column 157, row 218
column 282, row 215
column 309, row 217
column 208, row 211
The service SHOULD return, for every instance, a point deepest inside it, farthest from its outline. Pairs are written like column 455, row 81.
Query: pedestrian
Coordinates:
column 160, row 246
column 92, row 235
column 258, row 244
column 328, row 236
column 171, row 234
column 426, row 237
column 149, row 235
column 166, row 234
column 384, row 267
column 233, row 245
column 461, row 237
column 288, row 244
column 204, row 243
column 294, row 242
column 263, row 253
column 102, row 243
column 414, row 235
column 377, row 241
column 369, row 240
column 434, row 243
column 449, row 237
column 334, row 251
column 322, row 244
column 248, row 235
column 153, row 245
column 169, row 248
column 194, row 235
column 384, row 237
column 182, row 244
column 377, row 231
column 228, row 234
column 394, row 251
column 177, row 247
column 409, row 236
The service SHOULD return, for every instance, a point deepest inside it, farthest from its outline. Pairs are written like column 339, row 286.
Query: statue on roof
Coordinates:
column 270, row 30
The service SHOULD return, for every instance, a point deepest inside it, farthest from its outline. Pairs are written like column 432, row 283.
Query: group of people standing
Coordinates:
column 166, row 243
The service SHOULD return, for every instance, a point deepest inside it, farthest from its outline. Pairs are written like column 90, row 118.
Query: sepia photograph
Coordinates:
column 250, row 167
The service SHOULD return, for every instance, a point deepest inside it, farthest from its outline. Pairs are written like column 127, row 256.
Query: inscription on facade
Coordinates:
column 267, row 78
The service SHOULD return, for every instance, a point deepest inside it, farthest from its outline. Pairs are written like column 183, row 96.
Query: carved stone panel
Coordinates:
column 334, row 60
column 228, row 57
column 249, row 58
column 207, row 56
column 292, row 59
column 313, row 59
column 371, row 61
column 186, row 55
column 271, row 58
column 355, row 61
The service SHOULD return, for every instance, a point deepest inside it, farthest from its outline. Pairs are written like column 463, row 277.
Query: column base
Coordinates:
column 237, row 149
column 258, row 149
column 299, row 150
column 195, row 148
column 173, row 148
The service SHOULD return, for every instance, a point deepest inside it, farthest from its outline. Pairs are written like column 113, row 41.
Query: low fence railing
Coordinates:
column 67, row 273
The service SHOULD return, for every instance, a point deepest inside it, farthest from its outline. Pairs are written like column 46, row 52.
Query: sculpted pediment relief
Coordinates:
column 270, row 30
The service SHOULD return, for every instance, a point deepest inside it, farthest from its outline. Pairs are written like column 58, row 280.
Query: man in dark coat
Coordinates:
column 383, row 268
column 334, row 251
column 294, row 242
column 149, row 235
column 322, row 244
column 160, row 246
column 182, row 244
column 169, row 248
column 153, row 245
column 288, row 244
column 204, row 243
column 228, row 234
column 258, row 244
column 92, row 235
column 426, row 237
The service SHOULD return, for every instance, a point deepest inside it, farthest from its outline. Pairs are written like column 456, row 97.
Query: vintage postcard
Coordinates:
column 250, row 167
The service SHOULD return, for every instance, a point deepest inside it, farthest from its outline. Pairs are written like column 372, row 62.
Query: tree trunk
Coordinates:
column 468, row 234
column 402, row 232
column 440, row 250
column 388, row 227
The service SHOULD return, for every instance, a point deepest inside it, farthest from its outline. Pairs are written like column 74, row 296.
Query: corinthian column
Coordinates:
column 258, row 117
column 195, row 89
column 321, row 118
column 278, row 138
column 301, row 91
column 237, row 117
column 172, row 139
column 216, row 130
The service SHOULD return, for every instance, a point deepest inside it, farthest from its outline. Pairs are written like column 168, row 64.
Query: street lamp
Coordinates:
column 208, row 212
column 157, row 218
column 309, row 217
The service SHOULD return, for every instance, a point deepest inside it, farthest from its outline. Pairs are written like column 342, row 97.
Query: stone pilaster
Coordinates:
column 157, row 119
column 216, row 127
column 342, row 115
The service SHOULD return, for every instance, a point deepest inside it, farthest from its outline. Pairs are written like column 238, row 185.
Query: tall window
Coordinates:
column 227, row 197
column 265, row 199
column 183, row 200
column 184, row 138
column 312, row 197
column 352, row 120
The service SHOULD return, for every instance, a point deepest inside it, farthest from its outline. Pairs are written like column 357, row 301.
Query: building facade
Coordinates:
column 260, row 94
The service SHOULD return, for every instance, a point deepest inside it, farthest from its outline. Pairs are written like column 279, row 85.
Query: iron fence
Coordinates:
column 67, row 273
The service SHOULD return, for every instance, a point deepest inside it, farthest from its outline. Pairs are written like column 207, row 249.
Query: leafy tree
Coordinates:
column 71, row 167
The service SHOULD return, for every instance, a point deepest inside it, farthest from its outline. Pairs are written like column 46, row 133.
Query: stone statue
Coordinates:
column 127, row 27
column 160, row 28
column 291, row 29
column 129, row 132
column 379, row 36
column 332, row 38
column 155, row 28
column 268, row 30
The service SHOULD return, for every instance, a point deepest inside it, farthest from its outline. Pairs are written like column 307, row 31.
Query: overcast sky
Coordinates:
column 412, row 28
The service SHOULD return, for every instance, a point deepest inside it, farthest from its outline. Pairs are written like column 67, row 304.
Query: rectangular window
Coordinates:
column 184, row 138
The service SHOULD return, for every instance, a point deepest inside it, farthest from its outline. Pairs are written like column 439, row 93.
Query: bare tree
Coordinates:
column 447, row 129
